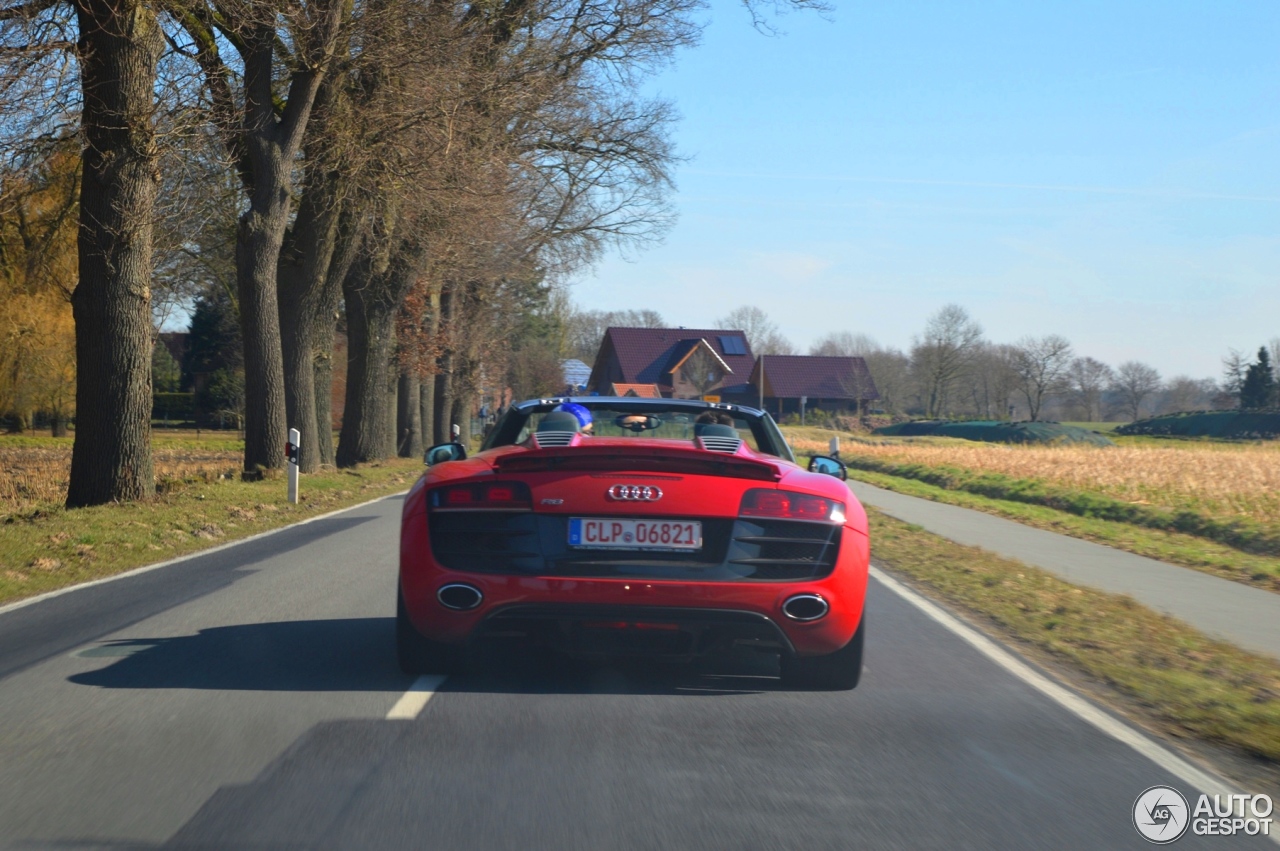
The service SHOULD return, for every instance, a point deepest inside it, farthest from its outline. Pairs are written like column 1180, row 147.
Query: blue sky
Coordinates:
column 1105, row 171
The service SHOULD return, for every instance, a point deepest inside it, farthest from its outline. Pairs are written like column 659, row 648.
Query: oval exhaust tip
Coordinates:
column 805, row 607
column 459, row 597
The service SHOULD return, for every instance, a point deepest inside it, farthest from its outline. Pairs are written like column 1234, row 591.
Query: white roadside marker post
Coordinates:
column 291, row 448
column 833, row 448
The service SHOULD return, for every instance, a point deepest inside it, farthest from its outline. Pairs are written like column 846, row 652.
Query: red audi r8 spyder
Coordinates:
column 610, row 526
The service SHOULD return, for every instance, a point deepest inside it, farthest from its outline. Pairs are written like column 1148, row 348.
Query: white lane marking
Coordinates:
column 1073, row 703
column 413, row 700
column 149, row 567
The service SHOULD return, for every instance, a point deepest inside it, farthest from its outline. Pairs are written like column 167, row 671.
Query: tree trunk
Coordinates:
column 427, row 405
column 367, row 417
column 462, row 416
column 58, row 426
column 393, row 404
column 443, row 414
column 323, row 385
column 270, row 147
column 409, row 417
column 312, row 265
column 120, row 45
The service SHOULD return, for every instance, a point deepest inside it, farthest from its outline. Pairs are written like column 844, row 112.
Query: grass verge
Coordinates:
column 1186, row 684
column 1175, row 548
column 50, row 547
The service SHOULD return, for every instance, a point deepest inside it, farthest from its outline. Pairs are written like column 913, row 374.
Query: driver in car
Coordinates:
column 580, row 413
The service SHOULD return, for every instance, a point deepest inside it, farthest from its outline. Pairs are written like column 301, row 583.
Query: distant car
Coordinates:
column 613, row 526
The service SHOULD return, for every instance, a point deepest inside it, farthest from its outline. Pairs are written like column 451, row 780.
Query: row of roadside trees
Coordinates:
column 953, row 370
column 422, row 171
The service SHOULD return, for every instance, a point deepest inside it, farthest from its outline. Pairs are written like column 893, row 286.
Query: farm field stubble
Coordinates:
column 1226, row 481
column 200, row 502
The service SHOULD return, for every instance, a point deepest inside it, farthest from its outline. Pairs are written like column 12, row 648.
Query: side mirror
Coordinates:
column 442, row 452
column 828, row 467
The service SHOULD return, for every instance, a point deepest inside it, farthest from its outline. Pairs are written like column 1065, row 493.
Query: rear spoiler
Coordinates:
column 641, row 459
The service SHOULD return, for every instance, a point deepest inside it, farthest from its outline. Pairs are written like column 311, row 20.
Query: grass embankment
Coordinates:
column 201, row 503
column 1183, row 682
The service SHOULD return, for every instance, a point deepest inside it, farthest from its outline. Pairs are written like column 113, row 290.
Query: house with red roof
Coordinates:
column 684, row 363
column 693, row 363
column 828, row 383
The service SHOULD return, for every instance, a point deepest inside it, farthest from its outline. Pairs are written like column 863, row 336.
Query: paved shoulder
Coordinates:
column 1247, row 617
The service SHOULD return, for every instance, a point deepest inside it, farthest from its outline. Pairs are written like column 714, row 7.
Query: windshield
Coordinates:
column 650, row 419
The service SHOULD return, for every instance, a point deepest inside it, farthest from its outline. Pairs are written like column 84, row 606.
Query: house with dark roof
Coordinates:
column 829, row 383
column 685, row 363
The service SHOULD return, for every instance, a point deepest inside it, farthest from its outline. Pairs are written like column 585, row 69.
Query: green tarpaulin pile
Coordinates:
column 993, row 431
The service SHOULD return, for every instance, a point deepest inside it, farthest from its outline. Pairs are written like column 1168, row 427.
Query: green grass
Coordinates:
column 1175, row 548
column 1182, row 681
column 50, row 547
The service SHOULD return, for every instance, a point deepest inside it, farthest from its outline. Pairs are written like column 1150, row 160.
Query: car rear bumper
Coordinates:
column 704, row 612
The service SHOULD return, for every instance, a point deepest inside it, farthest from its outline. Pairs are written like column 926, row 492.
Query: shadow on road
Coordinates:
column 322, row 655
column 359, row 655
column 33, row 634
column 508, row 668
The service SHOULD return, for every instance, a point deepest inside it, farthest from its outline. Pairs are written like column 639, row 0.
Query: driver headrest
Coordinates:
column 714, row 430
column 559, row 421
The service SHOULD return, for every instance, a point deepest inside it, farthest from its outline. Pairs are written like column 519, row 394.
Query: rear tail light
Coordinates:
column 788, row 505
column 481, row 495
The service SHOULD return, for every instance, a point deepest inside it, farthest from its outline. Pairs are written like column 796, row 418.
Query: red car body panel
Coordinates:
column 696, row 484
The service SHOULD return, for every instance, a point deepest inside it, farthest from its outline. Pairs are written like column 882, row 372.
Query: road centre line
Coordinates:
column 415, row 699
column 149, row 567
column 1073, row 703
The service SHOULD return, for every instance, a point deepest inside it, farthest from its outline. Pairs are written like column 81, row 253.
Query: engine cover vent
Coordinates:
column 715, row 443
column 553, row 438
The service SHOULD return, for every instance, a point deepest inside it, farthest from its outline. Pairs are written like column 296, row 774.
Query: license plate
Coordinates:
column 608, row 533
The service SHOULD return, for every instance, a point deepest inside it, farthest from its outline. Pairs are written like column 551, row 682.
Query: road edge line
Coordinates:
column 48, row 595
column 413, row 701
column 1064, row 697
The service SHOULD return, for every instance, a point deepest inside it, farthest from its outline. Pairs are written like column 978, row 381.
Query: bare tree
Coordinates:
column 891, row 371
column 261, row 105
column 993, row 379
column 761, row 331
column 1135, row 382
column 117, row 45
column 585, row 328
column 1041, row 364
column 843, row 344
column 1087, row 379
column 941, row 355
column 1184, row 393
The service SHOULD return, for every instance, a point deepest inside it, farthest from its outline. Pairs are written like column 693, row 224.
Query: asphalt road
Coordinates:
column 239, row 700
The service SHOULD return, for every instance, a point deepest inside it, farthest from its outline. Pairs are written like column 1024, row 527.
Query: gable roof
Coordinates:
column 687, row 348
column 644, row 391
column 647, row 355
column 793, row 376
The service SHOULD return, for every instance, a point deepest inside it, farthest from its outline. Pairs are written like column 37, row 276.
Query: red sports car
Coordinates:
column 609, row 526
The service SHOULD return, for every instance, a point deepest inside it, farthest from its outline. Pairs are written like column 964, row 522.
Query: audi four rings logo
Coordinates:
column 635, row 493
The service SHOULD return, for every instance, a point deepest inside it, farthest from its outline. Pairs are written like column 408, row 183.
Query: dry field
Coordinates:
column 1221, row 480
column 35, row 473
